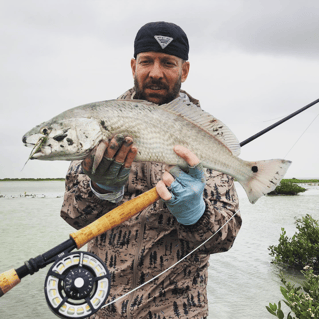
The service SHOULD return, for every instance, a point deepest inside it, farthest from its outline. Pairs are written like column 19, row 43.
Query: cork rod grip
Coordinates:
column 114, row 217
column 8, row 280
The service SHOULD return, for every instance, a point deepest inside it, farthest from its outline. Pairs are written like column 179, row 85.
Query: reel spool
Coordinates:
column 77, row 285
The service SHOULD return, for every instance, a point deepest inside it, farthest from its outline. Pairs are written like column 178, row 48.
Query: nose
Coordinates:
column 156, row 71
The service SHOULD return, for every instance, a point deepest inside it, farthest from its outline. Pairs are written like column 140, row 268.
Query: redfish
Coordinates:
column 155, row 129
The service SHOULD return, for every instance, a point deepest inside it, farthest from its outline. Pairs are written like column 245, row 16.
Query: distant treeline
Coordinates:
column 295, row 180
column 30, row 179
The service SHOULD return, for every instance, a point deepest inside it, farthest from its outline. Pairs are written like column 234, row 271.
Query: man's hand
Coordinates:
column 113, row 160
column 183, row 194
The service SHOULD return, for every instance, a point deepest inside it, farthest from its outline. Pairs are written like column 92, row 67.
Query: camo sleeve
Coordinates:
column 80, row 206
column 221, row 201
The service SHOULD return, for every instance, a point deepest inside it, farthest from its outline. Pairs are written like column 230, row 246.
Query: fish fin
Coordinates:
column 267, row 177
column 98, row 156
column 135, row 101
column 205, row 121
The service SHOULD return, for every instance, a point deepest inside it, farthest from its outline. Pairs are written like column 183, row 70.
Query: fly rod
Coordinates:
column 78, row 284
column 267, row 129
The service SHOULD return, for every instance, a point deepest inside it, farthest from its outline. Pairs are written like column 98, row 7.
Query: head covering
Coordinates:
column 162, row 37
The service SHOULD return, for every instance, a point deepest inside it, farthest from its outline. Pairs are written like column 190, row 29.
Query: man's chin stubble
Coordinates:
column 170, row 96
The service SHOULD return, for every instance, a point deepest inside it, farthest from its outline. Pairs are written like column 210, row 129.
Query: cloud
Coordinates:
column 284, row 27
column 251, row 61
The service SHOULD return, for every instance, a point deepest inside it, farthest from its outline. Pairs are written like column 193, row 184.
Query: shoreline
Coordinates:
column 294, row 180
column 301, row 181
column 30, row 179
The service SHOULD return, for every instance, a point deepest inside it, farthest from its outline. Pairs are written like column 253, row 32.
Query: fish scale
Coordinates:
column 155, row 130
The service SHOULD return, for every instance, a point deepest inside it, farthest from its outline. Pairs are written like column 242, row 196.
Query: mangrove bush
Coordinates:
column 300, row 250
column 287, row 187
column 302, row 300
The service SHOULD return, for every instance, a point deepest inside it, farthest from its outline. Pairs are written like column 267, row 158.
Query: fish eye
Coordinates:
column 44, row 130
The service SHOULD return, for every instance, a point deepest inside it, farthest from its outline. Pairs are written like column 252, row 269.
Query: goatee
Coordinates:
column 170, row 96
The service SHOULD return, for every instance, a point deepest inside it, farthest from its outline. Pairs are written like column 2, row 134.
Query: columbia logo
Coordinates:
column 163, row 41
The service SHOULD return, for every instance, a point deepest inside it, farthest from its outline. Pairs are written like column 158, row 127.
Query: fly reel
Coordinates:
column 77, row 285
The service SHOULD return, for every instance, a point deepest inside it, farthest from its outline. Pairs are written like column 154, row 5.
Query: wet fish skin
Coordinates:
column 156, row 130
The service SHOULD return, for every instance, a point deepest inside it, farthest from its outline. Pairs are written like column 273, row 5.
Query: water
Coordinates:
column 242, row 281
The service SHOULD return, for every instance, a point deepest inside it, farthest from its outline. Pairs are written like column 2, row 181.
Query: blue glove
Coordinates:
column 187, row 203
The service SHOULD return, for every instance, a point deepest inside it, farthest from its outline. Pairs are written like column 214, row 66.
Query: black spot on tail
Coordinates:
column 254, row 169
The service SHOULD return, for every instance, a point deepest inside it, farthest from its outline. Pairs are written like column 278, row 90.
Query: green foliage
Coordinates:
column 303, row 301
column 276, row 310
column 287, row 187
column 295, row 180
column 300, row 250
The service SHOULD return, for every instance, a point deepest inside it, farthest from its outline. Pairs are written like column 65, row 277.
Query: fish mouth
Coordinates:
column 45, row 151
column 38, row 148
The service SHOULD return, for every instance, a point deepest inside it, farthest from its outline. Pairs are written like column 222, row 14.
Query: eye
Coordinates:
column 44, row 130
column 144, row 62
column 170, row 63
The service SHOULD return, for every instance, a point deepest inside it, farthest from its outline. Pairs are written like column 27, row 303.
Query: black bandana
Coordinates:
column 162, row 37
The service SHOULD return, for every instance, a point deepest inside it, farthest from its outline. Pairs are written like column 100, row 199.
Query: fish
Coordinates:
column 155, row 129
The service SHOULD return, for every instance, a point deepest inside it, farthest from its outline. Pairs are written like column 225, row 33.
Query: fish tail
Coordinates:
column 265, row 177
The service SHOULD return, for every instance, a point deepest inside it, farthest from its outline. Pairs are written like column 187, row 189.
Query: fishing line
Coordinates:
column 301, row 135
column 277, row 118
column 62, row 251
column 163, row 272
column 269, row 128
column 241, row 144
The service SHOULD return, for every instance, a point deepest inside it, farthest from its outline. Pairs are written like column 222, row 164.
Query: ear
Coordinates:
column 185, row 71
column 133, row 66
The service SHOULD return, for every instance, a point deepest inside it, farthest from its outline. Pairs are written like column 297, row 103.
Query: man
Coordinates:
column 191, row 210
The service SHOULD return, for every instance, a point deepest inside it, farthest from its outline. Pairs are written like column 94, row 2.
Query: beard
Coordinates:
column 168, row 97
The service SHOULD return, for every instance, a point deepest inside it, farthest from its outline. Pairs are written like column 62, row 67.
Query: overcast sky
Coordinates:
column 252, row 63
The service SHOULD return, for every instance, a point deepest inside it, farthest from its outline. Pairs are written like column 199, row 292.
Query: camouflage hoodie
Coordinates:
column 152, row 241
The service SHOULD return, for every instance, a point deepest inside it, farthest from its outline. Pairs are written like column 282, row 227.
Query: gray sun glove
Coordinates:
column 187, row 203
column 110, row 175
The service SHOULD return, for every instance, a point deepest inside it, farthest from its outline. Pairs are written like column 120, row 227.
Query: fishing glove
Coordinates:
column 187, row 203
column 111, row 176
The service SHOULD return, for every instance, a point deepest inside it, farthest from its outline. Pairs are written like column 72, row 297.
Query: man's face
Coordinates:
column 158, row 76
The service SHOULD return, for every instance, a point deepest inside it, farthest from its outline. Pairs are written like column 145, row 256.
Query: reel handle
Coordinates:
column 114, row 217
column 8, row 280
